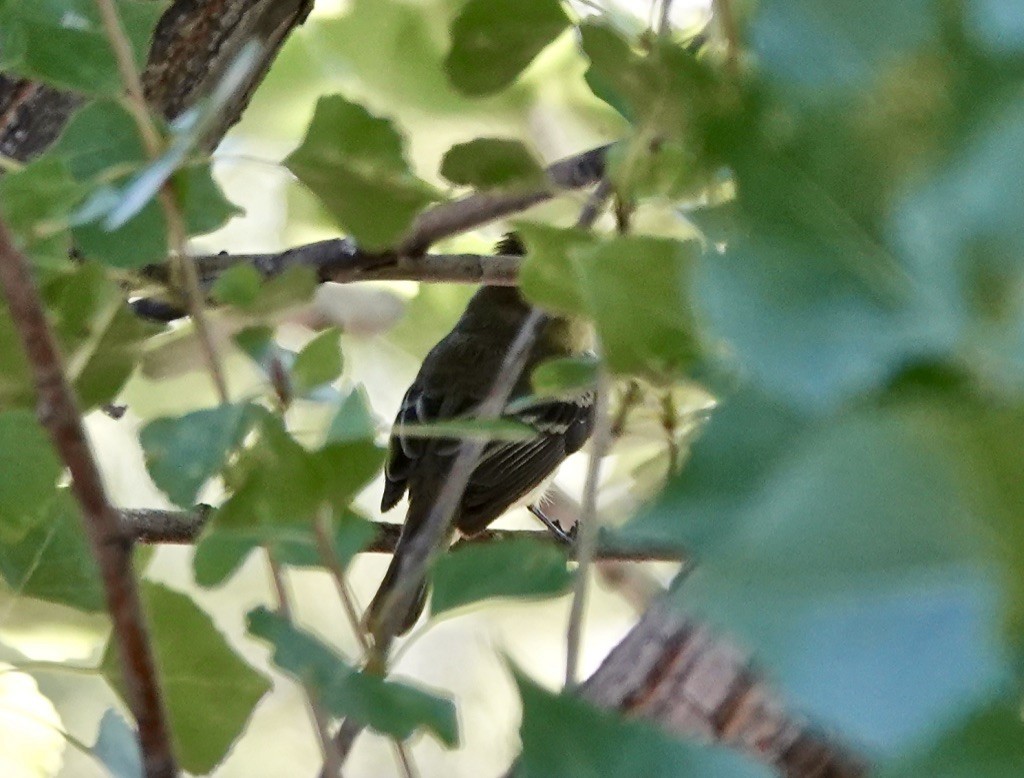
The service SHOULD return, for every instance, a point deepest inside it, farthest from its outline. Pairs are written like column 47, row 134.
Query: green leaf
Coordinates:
column 472, row 429
column 355, row 164
column 35, row 202
column 29, row 469
column 494, row 40
column 987, row 742
column 354, row 420
column 657, row 273
column 846, row 543
column 16, row 387
column 142, row 240
column 279, row 489
column 318, row 363
column 486, row 163
column 99, row 140
column 563, row 735
column 565, row 376
column 386, row 706
column 997, row 23
column 548, row 276
column 823, row 46
column 351, row 534
column 184, row 452
column 513, row 568
column 117, row 747
column 101, row 338
column 220, row 552
column 54, row 561
column 64, row 43
column 238, row 286
column 196, row 665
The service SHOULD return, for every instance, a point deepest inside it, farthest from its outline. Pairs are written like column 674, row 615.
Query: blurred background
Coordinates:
column 386, row 55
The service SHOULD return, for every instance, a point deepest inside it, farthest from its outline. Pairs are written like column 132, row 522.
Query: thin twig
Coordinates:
column 730, row 30
column 321, row 721
column 329, row 557
column 58, row 413
column 664, row 24
column 587, row 535
column 177, row 234
column 448, row 219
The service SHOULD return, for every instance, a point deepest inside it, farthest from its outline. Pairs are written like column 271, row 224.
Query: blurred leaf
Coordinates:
column 655, row 274
column 35, row 202
column 318, row 363
column 522, row 567
column 101, row 338
column 548, row 276
column 494, row 40
column 987, row 742
column 32, row 739
column 100, row 140
column 237, row 286
column 143, row 239
column 16, row 387
column 64, row 44
column 196, row 665
column 257, row 343
column 386, row 706
column 29, row 469
column 823, row 46
column 486, row 163
column 563, row 735
column 54, row 561
column 117, row 747
column 184, row 452
column 355, row 164
column 565, row 376
column 998, row 24
column 847, row 552
column 354, row 420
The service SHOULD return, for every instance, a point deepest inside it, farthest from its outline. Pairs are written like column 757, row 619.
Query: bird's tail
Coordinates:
column 397, row 572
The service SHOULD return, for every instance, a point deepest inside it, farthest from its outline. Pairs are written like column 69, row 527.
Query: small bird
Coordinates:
column 455, row 378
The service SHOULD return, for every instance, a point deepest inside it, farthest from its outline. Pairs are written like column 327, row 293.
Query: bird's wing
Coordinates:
column 506, row 471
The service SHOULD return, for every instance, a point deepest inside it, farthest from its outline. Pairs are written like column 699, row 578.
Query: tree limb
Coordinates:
column 677, row 673
column 58, row 413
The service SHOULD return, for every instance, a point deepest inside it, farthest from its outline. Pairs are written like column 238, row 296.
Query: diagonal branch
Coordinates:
column 58, row 413
column 679, row 674
column 341, row 261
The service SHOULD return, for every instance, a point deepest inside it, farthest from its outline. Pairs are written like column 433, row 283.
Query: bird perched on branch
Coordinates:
column 455, row 378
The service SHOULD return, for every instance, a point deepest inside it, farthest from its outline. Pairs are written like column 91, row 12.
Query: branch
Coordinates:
column 149, row 525
column 341, row 261
column 58, row 413
column 677, row 673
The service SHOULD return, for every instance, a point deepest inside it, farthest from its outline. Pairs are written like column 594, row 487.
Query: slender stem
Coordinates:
column 333, row 564
column 664, row 24
column 730, row 30
column 321, row 721
column 589, row 527
column 177, row 234
column 58, row 413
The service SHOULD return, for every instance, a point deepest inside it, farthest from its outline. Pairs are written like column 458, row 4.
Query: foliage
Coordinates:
column 819, row 222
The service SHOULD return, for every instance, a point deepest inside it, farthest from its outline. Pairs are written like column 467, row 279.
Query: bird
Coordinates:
column 454, row 379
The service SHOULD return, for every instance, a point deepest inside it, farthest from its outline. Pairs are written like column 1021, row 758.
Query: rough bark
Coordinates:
column 193, row 44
